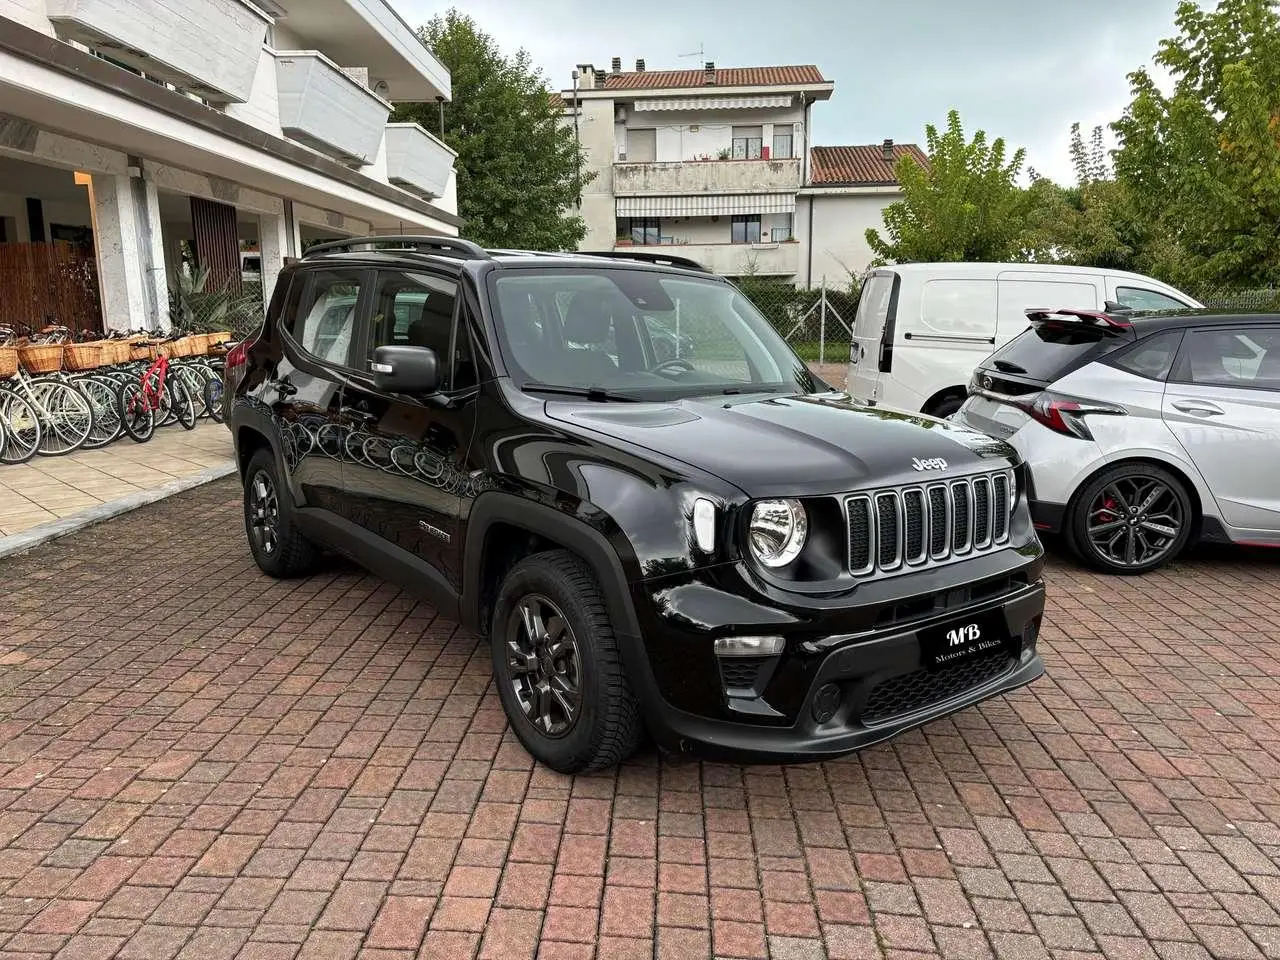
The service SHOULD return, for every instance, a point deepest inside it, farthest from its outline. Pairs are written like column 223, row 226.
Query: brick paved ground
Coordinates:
column 198, row 762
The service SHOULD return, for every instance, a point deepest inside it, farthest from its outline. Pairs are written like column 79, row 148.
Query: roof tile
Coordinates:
column 727, row 77
column 861, row 165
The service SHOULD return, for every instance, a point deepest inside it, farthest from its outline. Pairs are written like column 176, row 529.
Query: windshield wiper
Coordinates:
column 596, row 394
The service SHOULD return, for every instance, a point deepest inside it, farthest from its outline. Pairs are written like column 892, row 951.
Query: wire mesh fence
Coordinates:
column 1263, row 299
column 817, row 321
column 195, row 308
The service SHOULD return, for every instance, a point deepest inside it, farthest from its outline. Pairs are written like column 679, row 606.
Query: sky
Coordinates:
column 1024, row 70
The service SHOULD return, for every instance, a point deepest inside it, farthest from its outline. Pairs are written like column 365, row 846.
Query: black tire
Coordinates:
column 1110, row 533
column 136, row 419
column 213, row 400
column 946, row 406
column 274, row 541
column 606, row 728
column 182, row 403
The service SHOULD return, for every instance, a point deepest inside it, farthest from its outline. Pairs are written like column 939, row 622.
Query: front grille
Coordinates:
column 928, row 524
column 921, row 688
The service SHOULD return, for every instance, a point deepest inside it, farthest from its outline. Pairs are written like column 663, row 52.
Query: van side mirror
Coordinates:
column 405, row 369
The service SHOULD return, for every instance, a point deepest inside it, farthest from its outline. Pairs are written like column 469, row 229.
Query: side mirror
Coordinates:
column 398, row 369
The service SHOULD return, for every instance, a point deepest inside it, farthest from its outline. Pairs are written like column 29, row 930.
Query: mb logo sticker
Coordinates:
column 969, row 633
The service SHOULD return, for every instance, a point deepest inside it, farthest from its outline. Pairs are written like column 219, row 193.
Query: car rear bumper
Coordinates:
column 863, row 689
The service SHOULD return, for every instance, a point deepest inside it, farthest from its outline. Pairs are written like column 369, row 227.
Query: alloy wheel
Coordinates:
column 1135, row 521
column 544, row 666
column 264, row 514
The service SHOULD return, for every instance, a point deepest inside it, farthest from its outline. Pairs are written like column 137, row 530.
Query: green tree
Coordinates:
column 965, row 205
column 519, row 169
column 1202, row 164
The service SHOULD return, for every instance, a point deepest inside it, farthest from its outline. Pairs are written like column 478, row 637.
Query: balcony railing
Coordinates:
column 417, row 161
column 326, row 109
column 706, row 176
column 208, row 47
column 733, row 259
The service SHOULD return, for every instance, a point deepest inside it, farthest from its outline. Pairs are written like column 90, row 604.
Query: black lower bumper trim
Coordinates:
column 1047, row 517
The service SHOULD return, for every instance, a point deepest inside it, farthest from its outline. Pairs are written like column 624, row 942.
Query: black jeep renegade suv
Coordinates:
column 615, row 469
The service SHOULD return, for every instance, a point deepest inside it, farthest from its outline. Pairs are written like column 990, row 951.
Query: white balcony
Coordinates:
column 706, row 176
column 326, row 109
column 417, row 161
column 208, row 47
column 733, row 259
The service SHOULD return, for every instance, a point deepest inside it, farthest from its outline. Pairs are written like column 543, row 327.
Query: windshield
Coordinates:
column 639, row 334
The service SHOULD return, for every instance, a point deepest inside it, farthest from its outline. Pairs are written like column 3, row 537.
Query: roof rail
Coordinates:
column 445, row 246
column 1040, row 314
column 662, row 259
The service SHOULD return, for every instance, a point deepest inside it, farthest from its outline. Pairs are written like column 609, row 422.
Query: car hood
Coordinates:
column 792, row 446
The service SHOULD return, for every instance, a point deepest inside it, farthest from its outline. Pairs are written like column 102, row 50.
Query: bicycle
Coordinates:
column 152, row 394
column 44, row 412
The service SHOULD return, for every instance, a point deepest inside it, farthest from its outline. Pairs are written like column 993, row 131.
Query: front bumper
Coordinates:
column 846, row 692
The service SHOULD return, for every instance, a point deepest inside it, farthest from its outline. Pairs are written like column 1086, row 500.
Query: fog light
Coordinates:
column 825, row 702
column 748, row 646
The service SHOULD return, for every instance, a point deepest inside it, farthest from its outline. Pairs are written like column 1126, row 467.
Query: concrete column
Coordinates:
column 130, row 249
column 273, row 247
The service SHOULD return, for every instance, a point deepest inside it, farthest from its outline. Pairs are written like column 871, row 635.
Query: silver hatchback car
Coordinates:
column 1141, row 433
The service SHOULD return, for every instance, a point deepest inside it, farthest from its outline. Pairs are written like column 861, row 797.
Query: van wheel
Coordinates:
column 945, row 406
column 1130, row 519
column 558, row 669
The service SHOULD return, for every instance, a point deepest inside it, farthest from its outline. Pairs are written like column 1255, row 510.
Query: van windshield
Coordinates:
column 638, row 334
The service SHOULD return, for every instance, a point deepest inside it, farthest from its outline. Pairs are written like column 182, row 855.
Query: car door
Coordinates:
column 405, row 466
column 872, row 350
column 1222, row 402
column 305, row 391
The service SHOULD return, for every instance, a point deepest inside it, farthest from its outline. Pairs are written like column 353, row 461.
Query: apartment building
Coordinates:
column 705, row 163
column 141, row 134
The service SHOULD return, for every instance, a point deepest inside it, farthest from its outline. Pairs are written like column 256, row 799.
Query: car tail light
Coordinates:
column 238, row 355
column 1065, row 415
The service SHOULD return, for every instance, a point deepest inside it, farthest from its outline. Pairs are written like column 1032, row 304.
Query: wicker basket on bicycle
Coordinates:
column 114, row 351
column 186, row 346
column 41, row 357
column 145, row 350
column 8, row 362
column 83, row 356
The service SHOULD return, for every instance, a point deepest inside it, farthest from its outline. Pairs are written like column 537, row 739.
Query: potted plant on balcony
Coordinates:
column 725, row 154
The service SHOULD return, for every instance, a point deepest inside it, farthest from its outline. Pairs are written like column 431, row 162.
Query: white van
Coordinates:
column 921, row 328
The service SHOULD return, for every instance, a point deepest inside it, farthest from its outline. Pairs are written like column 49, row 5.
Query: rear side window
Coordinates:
column 1233, row 357
column 1136, row 298
column 873, row 305
column 1151, row 357
column 1049, row 351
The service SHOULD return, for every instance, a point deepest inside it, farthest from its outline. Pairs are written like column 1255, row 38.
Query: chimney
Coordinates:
column 587, row 73
column 709, row 72
column 616, row 65
column 886, row 151
column 640, row 66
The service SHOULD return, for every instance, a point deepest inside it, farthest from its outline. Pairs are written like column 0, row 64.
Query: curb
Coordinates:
column 28, row 539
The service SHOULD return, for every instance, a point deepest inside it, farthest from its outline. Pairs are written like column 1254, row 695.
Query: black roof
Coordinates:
column 1152, row 322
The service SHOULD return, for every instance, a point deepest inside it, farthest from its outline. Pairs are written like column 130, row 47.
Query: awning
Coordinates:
column 714, row 103
column 719, row 205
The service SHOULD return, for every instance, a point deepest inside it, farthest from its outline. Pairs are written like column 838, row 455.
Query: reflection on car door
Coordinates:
column 1222, row 402
column 305, row 392
column 405, row 455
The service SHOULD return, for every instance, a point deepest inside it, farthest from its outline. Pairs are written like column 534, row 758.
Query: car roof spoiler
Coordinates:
column 1069, row 315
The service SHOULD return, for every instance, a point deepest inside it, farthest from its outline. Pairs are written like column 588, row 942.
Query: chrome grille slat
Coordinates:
column 915, row 526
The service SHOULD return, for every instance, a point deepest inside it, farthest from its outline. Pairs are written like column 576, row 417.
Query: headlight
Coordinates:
column 777, row 532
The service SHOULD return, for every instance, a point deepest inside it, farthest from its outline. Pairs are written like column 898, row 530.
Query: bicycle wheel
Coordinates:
column 213, row 400
column 66, row 416
column 181, row 405
column 101, row 394
column 22, row 428
column 136, row 417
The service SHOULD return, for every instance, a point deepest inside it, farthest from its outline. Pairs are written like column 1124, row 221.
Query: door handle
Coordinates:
column 1199, row 408
column 355, row 413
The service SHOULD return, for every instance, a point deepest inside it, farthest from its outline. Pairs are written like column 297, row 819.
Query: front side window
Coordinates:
column 1135, row 298
column 413, row 309
column 325, row 321
column 1232, row 357
column 639, row 333
column 745, row 229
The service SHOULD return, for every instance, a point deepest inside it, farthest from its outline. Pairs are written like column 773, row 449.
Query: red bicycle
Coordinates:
column 154, row 400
